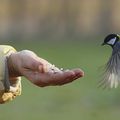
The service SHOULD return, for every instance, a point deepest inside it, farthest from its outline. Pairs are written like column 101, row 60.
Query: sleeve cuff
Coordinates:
column 8, row 90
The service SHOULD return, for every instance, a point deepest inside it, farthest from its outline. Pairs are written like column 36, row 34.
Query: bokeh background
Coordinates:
column 68, row 33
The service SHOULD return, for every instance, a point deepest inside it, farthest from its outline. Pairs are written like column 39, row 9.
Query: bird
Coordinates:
column 111, row 76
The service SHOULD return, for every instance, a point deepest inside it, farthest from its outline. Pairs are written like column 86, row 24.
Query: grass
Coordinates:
column 80, row 100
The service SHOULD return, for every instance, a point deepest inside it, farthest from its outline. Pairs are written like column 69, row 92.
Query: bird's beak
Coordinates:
column 103, row 44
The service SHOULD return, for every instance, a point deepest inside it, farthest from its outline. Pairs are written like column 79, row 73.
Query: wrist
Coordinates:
column 12, row 65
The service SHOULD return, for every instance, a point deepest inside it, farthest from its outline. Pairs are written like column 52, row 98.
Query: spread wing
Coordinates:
column 111, row 77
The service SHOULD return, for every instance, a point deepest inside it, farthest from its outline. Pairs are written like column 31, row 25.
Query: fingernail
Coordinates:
column 81, row 74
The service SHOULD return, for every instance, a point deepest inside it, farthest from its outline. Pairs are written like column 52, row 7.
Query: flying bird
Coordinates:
column 111, row 77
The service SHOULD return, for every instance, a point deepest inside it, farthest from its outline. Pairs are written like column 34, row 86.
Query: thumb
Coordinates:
column 36, row 66
column 42, row 68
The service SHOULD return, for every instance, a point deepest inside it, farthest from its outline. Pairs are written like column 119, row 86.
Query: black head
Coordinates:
column 111, row 39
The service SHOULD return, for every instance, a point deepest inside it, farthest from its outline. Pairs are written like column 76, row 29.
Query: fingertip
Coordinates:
column 79, row 72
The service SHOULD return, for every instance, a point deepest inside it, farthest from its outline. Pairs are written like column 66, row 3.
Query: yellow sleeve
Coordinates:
column 8, row 90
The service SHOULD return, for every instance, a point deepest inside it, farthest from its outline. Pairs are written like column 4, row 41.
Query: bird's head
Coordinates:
column 111, row 39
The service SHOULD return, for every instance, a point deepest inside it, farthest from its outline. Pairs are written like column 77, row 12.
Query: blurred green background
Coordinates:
column 68, row 34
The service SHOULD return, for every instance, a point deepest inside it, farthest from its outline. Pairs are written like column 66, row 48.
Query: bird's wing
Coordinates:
column 111, row 77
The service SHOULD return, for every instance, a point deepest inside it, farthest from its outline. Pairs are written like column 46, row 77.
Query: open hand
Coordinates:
column 39, row 71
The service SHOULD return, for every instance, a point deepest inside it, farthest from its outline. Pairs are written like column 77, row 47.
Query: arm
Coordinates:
column 26, row 63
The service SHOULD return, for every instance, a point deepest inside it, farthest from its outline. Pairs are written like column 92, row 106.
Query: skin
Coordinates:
column 26, row 63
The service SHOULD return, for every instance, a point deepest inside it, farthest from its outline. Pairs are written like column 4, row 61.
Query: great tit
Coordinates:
column 111, row 77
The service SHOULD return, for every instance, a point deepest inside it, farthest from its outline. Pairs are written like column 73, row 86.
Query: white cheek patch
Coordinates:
column 112, row 41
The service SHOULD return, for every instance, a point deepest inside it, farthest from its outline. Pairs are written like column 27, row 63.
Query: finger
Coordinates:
column 42, row 68
column 48, row 79
column 78, row 72
column 64, row 78
column 38, row 66
column 70, row 76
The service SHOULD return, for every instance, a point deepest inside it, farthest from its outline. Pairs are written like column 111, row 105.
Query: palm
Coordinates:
column 46, row 79
column 40, row 72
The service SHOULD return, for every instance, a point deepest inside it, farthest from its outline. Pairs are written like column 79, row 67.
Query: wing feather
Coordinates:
column 111, row 76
